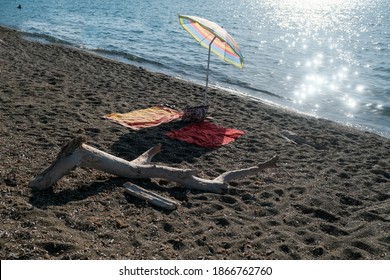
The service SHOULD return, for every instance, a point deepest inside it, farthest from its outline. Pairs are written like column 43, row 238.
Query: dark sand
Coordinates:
column 329, row 200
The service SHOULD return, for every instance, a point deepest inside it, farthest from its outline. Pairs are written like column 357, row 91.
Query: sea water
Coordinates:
column 326, row 58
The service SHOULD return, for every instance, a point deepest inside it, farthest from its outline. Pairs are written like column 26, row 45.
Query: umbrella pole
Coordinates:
column 207, row 75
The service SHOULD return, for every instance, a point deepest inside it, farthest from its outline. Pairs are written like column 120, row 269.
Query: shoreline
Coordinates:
column 268, row 99
column 329, row 200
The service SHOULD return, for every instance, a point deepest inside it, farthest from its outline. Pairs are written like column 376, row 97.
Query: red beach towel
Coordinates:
column 206, row 134
column 144, row 118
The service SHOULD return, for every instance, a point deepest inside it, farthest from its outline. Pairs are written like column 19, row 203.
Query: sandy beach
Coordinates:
column 328, row 199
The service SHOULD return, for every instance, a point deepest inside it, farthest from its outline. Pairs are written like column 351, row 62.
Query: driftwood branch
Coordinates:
column 78, row 154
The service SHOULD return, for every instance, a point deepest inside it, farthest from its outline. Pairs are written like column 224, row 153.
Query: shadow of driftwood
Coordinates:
column 43, row 199
column 132, row 144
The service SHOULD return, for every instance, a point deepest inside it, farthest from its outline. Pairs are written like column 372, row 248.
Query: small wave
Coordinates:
column 129, row 58
column 268, row 93
column 265, row 92
column 247, row 87
column 385, row 110
column 44, row 38
column 114, row 54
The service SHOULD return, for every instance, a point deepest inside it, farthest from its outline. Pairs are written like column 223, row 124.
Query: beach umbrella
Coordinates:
column 214, row 38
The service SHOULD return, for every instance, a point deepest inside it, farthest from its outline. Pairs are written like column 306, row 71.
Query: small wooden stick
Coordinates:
column 149, row 196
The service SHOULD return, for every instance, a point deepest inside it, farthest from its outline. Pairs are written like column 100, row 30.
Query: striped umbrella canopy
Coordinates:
column 216, row 39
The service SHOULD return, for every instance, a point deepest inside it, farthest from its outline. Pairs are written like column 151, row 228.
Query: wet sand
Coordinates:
column 328, row 199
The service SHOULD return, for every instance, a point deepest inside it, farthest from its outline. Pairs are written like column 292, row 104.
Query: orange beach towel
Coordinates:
column 144, row 118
